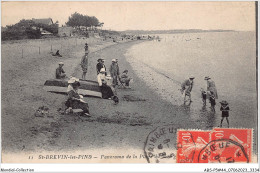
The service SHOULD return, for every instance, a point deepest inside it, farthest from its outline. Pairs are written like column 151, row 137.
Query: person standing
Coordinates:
column 225, row 111
column 211, row 86
column 212, row 101
column 84, row 65
column 186, row 87
column 114, row 72
column 60, row 73
column 86, row 47
column 118, row 70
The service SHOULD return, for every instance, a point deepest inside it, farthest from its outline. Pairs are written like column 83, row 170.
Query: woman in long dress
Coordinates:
column 74, row 99
column 211, row 86
column 106, row 90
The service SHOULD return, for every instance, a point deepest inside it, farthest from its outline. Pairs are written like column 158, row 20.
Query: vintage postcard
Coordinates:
column 129, row 82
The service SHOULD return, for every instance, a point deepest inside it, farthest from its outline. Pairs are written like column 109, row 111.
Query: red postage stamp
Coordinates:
column 217, row 146
column 189, row 143
column 236, row 145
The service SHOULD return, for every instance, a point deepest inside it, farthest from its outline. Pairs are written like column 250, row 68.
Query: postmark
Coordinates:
column 243, row 137
column 217, row 146
column 222, row 151
column 160, row 145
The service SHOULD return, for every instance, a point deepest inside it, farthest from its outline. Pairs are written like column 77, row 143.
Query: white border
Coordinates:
column 129, row 167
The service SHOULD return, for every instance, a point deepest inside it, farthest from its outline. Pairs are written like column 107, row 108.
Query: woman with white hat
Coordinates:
column 107, row 92
column 211, row 87
column 75, row 101
column 100, row 65
column 186, row 87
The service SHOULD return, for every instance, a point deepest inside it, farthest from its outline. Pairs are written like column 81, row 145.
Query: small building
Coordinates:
column 65, row 31
column 46, row 21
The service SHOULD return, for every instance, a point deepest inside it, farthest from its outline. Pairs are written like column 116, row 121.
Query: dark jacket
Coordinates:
column 59, row 72
column 99, row 67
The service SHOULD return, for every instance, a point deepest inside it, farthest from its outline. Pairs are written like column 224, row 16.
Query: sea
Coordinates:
column 229, row 58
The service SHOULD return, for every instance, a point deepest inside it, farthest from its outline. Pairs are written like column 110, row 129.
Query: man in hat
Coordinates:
column 100, row 65
column 84, row 65
column 114, row 72
column 186, row 87
column 60, row 73
column 211, row 87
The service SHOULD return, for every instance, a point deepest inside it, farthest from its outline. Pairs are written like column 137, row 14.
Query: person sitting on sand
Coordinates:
column 107, row 92
column 57, row 54
column 75, row 101
column 84, row 65
column 186, row 87
column 100, row 65
column 60, row 73
column 125, row 79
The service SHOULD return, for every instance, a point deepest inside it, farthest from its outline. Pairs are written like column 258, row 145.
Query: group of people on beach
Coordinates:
column 211, row 94
column 107, row 88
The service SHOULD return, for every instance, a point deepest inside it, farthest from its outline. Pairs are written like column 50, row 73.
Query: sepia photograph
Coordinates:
column 129, row 82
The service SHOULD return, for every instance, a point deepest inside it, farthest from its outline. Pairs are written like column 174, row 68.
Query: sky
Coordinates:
column 140, row 15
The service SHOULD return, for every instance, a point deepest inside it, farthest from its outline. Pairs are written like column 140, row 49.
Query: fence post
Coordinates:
column 39, row 50
column 22, row 53
column 51, row 47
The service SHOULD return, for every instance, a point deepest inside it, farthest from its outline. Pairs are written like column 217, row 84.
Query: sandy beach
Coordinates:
column 122, row 128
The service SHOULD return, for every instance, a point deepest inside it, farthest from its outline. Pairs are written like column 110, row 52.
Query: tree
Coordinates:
column 77, row 20
column 27, row 29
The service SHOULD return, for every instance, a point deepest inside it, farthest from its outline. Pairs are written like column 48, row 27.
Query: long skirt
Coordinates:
column 106, row 91
column 75, row 104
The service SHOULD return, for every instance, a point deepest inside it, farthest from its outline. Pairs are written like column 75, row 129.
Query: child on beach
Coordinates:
column 225, row 111
column 212, row 100
column 203, row 96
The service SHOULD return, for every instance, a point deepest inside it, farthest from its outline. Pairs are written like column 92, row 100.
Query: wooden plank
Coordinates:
column 63, row 90
column 87, row 85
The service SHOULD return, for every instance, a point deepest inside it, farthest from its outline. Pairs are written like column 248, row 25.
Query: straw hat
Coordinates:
column 224, row 102
column 73, row 80
column 61, row 63
column 113, row 60
column 108, row 77
column 192, row 77
column 101, row 59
